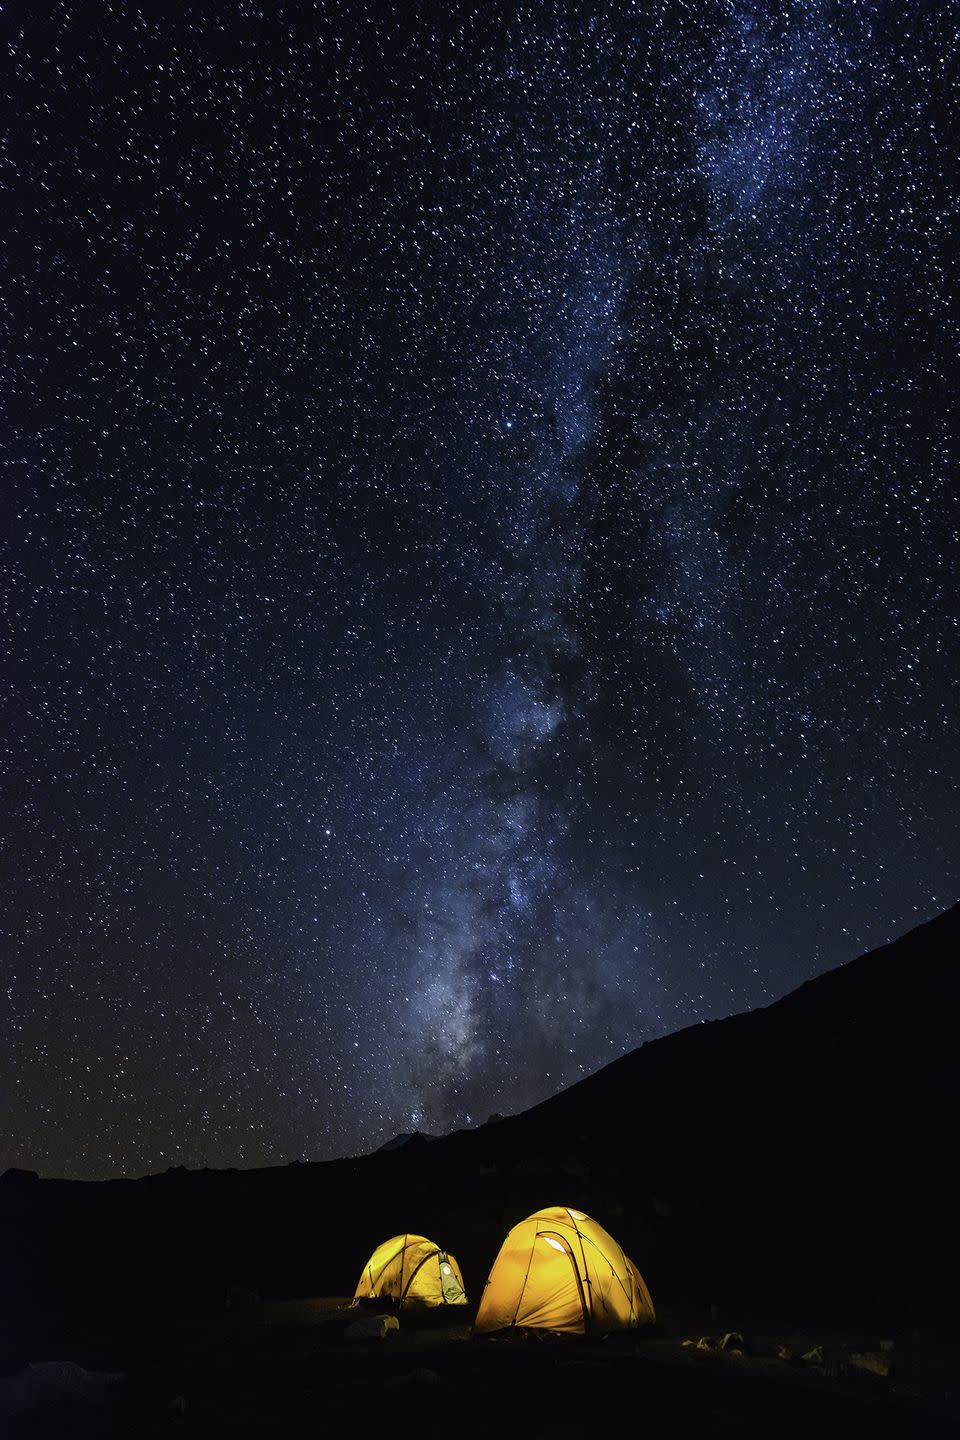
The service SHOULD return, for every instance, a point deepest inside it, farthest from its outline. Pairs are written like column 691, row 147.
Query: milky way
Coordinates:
column 479, row 550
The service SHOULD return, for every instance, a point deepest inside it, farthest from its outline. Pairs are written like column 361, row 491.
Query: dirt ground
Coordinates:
column 288, row 1369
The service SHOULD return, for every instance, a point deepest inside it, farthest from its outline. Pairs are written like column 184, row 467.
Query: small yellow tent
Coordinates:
column 411, row 1271
column 560, row 1270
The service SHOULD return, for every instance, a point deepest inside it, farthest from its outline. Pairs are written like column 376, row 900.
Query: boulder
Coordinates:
column 371, row 1327
column 733, row 1343
column 422, row 1379
column 871, row 1362
column 51, row 1381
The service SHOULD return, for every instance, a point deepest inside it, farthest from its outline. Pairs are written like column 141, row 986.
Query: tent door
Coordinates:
column 561, row 1244
column 450, row 1286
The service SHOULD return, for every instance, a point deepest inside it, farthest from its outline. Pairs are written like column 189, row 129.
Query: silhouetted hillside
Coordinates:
column 794, row 1161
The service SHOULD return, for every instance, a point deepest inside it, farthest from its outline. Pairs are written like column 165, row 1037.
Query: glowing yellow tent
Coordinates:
column 411, row 1270
column 560, row 1270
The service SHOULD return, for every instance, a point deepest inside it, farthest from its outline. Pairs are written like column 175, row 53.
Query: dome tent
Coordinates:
column 559, row 1270
column 411, row 1270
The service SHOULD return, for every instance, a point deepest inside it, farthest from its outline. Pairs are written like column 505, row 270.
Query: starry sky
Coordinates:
column 479, row 562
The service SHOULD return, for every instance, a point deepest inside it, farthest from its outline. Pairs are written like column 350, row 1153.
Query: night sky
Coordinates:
column 479, row 570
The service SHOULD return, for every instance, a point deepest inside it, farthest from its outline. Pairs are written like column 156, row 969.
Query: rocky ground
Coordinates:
column 292, row 1369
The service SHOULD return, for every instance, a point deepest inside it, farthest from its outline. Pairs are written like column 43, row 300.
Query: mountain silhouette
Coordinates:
column 794, row 1161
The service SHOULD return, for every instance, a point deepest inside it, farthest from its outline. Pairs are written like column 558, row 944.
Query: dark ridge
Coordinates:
column 402, row 1141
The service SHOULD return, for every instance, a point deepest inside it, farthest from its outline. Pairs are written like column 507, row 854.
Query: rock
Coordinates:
column 422, row 1379
column 762, row 1348
column 371, row 1327
column 49, row 1381
column 871, row 1362
column 813, row 1356
column 733, row 1343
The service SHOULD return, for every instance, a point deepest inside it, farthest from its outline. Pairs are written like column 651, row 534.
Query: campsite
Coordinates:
column 479, row 721
column 768, row 1200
